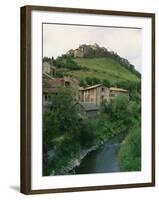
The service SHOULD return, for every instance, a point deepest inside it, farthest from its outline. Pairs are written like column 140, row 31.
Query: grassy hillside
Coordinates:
column 102, row 68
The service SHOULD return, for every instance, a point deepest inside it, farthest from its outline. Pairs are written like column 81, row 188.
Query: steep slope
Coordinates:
column 105, row 68
column 95, row 62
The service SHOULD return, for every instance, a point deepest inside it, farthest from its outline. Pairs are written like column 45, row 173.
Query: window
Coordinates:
column 102, row 89
column 67, row 83
column 45, row 97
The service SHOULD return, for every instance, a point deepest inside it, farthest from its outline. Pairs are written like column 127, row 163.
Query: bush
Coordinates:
column 120, row 110
column 106, row 83
column 69, row 146
column 92, row 80
column 51, row 60
column 66, row 62
column 119, row 115
column 133, row 87
column 130, row 151
column 83, row 83
column 50, row 127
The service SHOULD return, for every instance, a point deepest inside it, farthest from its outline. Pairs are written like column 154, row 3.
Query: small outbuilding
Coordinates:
column 86, row 109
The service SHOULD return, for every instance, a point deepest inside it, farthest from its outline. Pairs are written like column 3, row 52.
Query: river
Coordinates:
column 102, row 160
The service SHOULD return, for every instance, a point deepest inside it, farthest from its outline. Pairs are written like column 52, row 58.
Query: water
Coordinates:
column 102, row 160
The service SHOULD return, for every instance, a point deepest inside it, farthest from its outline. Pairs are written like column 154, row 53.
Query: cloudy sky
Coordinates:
column 58, row 39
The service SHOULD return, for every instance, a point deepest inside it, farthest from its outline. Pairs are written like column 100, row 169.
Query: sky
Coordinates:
column 126, row 42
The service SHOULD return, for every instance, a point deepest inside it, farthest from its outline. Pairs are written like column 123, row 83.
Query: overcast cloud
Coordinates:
column 58, row 39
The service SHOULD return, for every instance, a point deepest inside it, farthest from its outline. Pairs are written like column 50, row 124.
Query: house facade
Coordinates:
column 52, row 86
column 48, row 69
column 94, row 94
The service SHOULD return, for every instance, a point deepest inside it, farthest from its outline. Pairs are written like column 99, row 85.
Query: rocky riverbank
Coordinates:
column 77, row 160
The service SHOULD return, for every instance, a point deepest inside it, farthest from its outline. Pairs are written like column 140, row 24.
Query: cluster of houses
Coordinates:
column 87, row 100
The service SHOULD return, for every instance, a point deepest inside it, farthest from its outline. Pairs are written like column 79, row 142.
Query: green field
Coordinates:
column 102, row 68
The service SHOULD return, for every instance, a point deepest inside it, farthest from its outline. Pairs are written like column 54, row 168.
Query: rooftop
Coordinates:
column 118, row 89
column 88, row 106
column 45, row 75
column 91, row 87
column 45, row 63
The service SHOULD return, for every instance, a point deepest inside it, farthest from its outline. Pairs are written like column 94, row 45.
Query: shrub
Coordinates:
column 130, row 151
column 106, row 83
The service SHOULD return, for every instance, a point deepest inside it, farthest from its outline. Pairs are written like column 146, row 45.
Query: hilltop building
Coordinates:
column 86, row 51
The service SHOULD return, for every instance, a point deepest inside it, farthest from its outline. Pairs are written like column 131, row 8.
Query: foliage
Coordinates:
column 68, row 148
column 51, row 60
column 62, row 121
column 118, row 117
column 106, row 83
column 90, row 81
column 105, row 68
column 134, row 88
column 66, row 62
column 50, row 127
column 87, row 132
column 83, row 83
column 93, row 81
column 62, row 106
column 130, row 151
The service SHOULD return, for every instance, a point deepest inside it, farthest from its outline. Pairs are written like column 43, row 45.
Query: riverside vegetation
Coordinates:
column 68, row 136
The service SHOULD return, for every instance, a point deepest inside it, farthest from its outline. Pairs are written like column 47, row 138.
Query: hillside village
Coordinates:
column 87, row 99
column 90, row 97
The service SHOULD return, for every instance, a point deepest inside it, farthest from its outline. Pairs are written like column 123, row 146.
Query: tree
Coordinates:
column 60, row 120
column 92, row 80
column 51, row 60
column 62, row 105
column 83, row 83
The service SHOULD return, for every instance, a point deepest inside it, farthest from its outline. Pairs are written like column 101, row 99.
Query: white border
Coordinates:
column 52, row 182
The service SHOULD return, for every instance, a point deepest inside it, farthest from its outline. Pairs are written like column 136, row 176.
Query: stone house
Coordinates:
column 48, row 69
column 52, row 85
column 94, row 94
column 86, row 109
column 49, row 87
column 69, row 81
